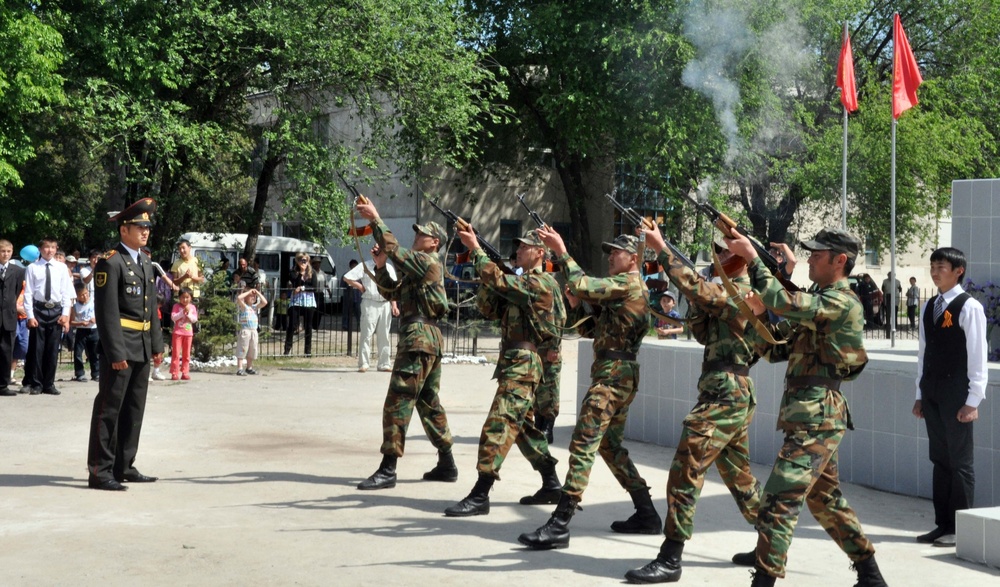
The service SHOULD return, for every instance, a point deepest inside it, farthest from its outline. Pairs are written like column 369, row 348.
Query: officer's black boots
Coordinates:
column 868, row 573
column 665, row 568
column 384, row 478
column 445, row 470
column 478, row 501
column 551, row 489
column 745, row 559
column 555, row 532
column 761, row 578
column 645, row 520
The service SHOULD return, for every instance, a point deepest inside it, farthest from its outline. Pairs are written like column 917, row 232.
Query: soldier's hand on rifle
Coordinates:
column 468, row 236
column 570, row 298
column 367, row 211
column 552, row 240
column 654, row 240
column 754, row 303
column 786, row 252
column 740, row 245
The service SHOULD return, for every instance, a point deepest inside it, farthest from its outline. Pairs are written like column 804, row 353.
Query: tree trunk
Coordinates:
column 569, row 169
column 260, row 205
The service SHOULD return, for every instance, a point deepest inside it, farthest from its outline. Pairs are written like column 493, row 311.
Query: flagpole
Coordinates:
column 892, row 222
column 843, row 180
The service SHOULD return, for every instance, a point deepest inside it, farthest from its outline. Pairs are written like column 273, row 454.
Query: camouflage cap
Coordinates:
column 625, row 242
column 531, row 239
column 432, row 229
column 834, row 239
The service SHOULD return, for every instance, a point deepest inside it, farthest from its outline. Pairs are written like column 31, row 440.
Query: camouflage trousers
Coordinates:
column 713, row 433
column 806, row 470
column 547, row 393
column 415, row 381
column 600, row 427
column 511, row 420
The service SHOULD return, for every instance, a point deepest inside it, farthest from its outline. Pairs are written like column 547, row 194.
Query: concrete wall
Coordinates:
column 887, row 450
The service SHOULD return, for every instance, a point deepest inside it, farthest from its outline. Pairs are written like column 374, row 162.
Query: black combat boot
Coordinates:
column 761, row 578
column 445, row 469
column 384, row 478
column 551, row 489
column 555, row 532
column 665, row 568
column 868, row 573
column 745, row 559
column 645, row 520
column 478, row 501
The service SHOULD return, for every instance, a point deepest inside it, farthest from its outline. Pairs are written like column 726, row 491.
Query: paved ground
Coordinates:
column 258, row 483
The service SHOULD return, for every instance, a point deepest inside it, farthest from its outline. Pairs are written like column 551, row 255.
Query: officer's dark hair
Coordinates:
column 953, row 256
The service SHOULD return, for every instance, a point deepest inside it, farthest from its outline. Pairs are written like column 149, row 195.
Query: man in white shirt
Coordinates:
column 48, row 299
column 951, row 383
column 376, row 311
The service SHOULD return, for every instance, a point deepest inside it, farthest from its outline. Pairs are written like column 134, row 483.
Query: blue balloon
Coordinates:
column 29, row 254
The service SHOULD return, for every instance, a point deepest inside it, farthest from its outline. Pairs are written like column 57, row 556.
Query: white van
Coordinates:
column 276, row 254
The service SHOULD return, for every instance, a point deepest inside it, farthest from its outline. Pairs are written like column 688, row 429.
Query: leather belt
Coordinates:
column 813, row 381
column 134, row 325
column 417, row 318
column 741, row 370
column 614, row 356
column 523, row 344
column 48, row 305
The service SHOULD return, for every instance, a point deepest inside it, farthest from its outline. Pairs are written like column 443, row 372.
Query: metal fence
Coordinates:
column 878, row 313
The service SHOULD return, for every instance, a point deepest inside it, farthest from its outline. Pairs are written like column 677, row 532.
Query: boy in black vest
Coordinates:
column 951, row 382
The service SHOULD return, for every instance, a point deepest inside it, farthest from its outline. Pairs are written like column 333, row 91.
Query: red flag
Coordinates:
column 905, row 73
column 845, row 77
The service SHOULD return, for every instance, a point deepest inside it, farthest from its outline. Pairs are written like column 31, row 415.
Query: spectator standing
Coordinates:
column 130, row 339
column 87, row 271
column 11, row 288
column 302, row 283
column 867, row 293
column 187, row 270
column 245, row 277
column 887, row 301
column 28, row 254
column 951, row 383
column 321, row 284
column 665, row 329
column 281, row 311
column 184, row 316
column 47, row 302
column 86, row 341
column 376, row 311
column 249, row 303
column 912, row 302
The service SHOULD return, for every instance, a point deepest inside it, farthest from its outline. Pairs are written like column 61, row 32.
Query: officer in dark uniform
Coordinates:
column 125, row 307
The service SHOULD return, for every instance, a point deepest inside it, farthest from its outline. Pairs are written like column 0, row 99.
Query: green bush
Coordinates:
column 217, row 318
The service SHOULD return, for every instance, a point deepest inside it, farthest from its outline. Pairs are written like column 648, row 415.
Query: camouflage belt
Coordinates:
column 614, row 356
column 741, row 370
column 812, row 381
column 523, row 344
column 415, row 319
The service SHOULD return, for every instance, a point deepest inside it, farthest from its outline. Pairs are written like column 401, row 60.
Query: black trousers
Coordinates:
column 43, row 349
column 6, row 355
column 86, row 342
column 951, row 448
column 116, row 421
column 294, row 314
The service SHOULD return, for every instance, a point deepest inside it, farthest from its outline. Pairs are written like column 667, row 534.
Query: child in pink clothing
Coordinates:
column 184, row 315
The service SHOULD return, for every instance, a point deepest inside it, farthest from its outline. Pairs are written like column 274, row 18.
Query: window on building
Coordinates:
column 871, row 252
column 509, row 230
column 565, row 230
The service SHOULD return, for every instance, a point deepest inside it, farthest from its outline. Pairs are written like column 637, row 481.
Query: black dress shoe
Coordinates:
column 933, row 535
column 51, row 391
column 138, row 478
column 106, row 485
column 6, row 391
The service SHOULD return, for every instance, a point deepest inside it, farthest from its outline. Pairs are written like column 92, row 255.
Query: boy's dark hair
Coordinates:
column 953, row 256
column 47, row 239
column 182, row 241
column 79, row 286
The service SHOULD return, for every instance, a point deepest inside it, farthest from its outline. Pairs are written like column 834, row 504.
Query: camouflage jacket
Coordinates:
column 825, row 332
column 420, row 291
column 529, row 306
column 624, row 319
column 715, row 321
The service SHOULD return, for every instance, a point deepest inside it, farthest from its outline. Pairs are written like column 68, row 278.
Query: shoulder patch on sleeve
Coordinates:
column 100, row 279
column 109, row 254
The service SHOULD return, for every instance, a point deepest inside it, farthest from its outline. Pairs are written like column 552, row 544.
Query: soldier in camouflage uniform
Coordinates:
column 717, row 429
column 618, row 333
column 416, row 372
column 824, row 329
column 547, row 394
column 528, row 321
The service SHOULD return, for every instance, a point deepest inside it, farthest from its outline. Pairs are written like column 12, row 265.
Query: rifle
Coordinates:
column 727, row 225
column 487, row 247
column 355, row 230
column 534, row 215
column 639, row 221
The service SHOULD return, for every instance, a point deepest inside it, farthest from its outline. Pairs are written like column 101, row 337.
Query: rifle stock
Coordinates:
column 635, row 219
column 487, row 247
